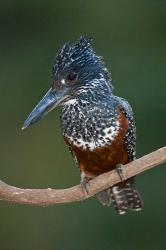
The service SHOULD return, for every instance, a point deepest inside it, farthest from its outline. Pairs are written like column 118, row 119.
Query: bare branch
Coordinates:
column 48, row 197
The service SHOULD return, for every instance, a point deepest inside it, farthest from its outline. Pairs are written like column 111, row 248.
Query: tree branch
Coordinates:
column 48, row 197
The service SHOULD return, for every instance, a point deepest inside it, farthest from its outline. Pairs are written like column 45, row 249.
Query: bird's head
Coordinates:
column 75, row 70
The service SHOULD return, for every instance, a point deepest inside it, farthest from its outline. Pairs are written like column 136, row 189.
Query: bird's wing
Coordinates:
column 130, row 137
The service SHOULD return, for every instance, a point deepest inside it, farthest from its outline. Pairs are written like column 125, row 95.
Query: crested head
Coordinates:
column 78, row 74
column 78, row 64
column 69, row 54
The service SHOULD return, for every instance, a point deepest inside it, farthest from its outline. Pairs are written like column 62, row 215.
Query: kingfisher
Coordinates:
column 98, row 127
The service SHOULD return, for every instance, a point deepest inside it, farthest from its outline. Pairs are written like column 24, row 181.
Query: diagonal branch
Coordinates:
column 48, row 197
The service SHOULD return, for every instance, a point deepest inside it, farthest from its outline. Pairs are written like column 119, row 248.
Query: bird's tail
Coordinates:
column 123, row 196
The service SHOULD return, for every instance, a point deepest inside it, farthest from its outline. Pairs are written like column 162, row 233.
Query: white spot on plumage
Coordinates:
column 121, row 212
column 70, row 102
column 63, row 81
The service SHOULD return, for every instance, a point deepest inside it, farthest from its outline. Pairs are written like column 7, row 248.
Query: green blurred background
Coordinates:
column 131, row 36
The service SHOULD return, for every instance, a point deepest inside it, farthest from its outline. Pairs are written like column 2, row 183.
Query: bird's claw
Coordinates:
column 120, row 171
column 85, row 183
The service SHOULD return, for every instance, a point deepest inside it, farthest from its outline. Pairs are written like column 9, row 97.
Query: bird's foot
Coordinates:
column 120, row 171
column 85, row 182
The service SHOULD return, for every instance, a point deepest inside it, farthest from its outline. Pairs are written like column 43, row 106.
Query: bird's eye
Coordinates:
column 72, row 76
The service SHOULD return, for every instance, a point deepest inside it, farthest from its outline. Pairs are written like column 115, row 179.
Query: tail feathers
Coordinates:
column 133, row 197
column 119, row 199
column 123, row 196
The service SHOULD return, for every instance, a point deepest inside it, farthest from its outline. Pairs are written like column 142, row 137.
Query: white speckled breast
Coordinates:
column 88, row 127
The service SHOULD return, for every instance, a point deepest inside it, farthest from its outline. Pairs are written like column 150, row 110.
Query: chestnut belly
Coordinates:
column 102, row 159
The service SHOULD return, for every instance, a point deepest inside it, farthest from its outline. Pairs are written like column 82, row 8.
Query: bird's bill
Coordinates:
column 51, row 100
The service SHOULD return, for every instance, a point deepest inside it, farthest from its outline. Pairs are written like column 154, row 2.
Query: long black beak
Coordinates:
column 51, row 100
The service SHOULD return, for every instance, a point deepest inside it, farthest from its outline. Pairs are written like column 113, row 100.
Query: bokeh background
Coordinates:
column 131, row 36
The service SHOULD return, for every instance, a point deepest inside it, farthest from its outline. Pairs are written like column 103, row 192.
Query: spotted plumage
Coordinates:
column 97, row 126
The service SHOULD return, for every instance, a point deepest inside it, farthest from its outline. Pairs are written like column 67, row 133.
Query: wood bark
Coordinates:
column 49, row 196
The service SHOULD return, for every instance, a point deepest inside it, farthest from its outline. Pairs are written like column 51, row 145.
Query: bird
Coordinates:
column 97, row 126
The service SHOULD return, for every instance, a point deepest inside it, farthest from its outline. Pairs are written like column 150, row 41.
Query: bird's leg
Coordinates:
column 120, row 171
column 85, row 182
